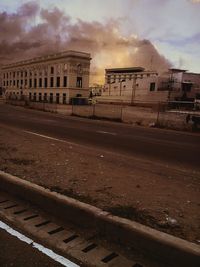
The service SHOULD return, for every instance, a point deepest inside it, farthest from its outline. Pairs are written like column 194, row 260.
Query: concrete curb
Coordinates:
column 166, row 248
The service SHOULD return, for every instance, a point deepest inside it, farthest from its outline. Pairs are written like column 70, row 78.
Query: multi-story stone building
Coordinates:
column 53, row 78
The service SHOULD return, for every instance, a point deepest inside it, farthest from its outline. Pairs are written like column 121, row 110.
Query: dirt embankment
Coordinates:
column 160, row 196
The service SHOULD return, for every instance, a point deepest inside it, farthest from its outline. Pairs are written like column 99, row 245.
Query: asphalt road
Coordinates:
column 168, row 147
column 16, row 253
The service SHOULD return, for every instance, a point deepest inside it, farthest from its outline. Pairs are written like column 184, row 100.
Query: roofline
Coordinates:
column 193, row 73
column 129, row 68
column 177, row 70
column 68, row 53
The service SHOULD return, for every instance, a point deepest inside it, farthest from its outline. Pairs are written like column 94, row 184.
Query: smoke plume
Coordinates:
column 33, row 31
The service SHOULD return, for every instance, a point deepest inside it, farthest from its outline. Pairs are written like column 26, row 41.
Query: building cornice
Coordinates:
column 65, row 54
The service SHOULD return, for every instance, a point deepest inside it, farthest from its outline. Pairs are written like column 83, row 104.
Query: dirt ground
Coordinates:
column 156, row 195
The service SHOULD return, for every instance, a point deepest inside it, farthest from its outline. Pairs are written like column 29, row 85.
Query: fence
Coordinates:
column 172, row 115
column 102, row 111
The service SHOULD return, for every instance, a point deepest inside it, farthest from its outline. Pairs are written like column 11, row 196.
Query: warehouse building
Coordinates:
column 136, row 84
column 129, row 84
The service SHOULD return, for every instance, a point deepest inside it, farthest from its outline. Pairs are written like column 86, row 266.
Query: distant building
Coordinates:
column 129, row 84
column 138, row 85
column 96, row 89
column 53, row 78
column 1, row 86
column 180, row 84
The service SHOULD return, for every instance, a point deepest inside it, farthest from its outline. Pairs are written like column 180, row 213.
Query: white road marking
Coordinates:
column 41, row 248
column 51, row 138
column 103, row 132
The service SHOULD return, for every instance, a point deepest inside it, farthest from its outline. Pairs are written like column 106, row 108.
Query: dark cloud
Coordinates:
column 28, row 10
column 21, row 38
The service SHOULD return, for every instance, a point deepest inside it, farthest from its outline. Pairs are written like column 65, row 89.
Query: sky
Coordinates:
column 155, row 34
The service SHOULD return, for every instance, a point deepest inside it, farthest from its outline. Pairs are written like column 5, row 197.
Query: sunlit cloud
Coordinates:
column 195, row 1
column 117, row 33
column 56, row 31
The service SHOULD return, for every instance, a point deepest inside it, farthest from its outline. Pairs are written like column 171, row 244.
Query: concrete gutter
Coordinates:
column 165, row 248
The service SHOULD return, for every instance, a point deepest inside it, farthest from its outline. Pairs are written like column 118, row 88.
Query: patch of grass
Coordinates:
column 94, row 117
column 3, row 148
column 21, row 161
column 128, row 212
column 71, row 193
column 144, row 217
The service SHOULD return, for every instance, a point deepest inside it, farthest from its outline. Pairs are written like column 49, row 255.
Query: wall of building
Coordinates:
column 132, row 86
column 195, row 80
column 62, row 75
column 180, row 84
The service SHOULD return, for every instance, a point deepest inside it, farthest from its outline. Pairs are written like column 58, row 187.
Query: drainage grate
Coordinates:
column 3, row 201
column 69, row 239
column 42, row 223
column 30, row 217
column 57, row 230
column 89, row 248
column 20, row 211
column 86, row 250
column 10, row 207
column 110, row 257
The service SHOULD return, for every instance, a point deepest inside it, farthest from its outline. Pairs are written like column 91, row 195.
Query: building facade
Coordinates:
column 137, row 85
column 180, row 84
column 54, row 78
column 131, row 84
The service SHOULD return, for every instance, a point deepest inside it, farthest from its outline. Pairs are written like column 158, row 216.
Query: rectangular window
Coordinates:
column 30, row 83
column 40, row 97
column 45, row 97
column 65, row 81
column 58, row 82
column 45, row 82
column 51, row 98
column 17, row 83
column 14, row 82
column 186, row 87
column 152, row 86
column 57, row 98
column 52, row 70
column 40, row 82
column 64, row 99
column 35, row 83
column 52, row 81
column 34, row 97
column 79, row 82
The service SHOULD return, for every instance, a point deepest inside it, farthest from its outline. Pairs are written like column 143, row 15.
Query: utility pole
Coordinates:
column 133, row 89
